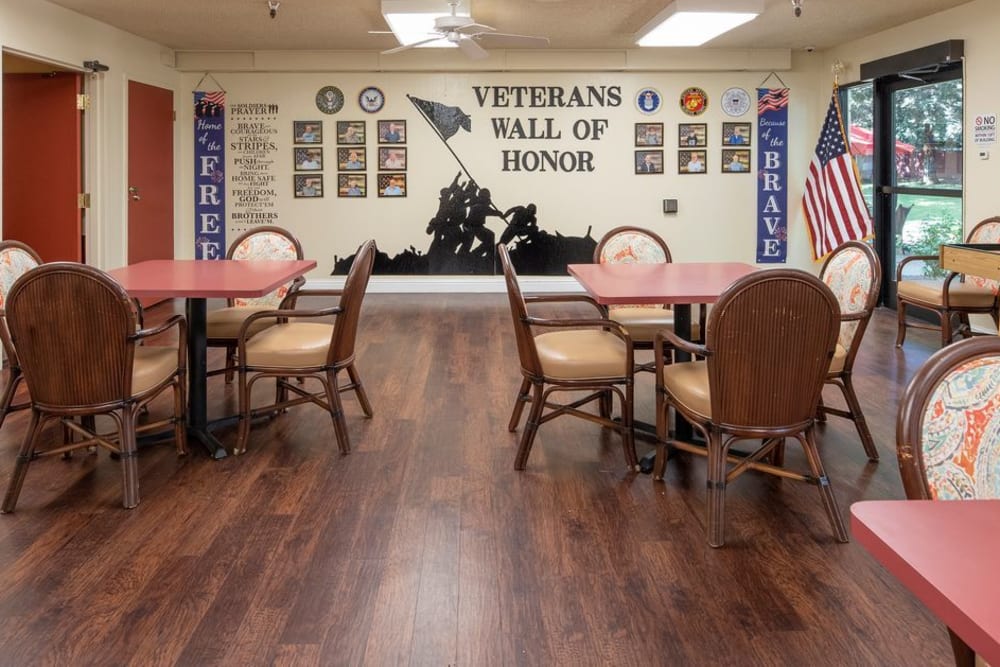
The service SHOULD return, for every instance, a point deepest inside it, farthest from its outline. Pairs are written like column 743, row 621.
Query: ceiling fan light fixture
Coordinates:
column 694, row 22
column 412, row 21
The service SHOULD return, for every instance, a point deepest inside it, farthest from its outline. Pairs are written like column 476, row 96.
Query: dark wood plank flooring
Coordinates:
column 425, row 547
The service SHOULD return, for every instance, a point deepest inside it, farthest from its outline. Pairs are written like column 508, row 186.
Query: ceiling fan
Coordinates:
column 464, row 32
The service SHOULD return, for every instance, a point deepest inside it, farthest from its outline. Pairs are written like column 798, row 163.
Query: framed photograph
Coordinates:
column 392, row 131
column 352, row 159
column 392, row 158
column 308, row 159
column 392, row 185
column 308, row 185
column 649, row 162
column 691, row 162
column 735, row 160
column 649, row 134
column 352, row 185
column 308, row 131
column 692, row 134
column 736, row 134
column 350, row 131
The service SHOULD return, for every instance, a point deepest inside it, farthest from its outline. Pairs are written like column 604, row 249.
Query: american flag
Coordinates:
column 772, row 100
column 835, row 210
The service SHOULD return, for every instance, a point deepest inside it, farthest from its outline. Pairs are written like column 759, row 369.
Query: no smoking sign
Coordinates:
column 984, row 128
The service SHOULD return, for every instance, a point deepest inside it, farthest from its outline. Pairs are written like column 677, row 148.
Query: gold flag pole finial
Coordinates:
column 837, row 68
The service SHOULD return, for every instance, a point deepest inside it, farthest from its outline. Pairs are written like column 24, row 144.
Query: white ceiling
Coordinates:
column 197, row 25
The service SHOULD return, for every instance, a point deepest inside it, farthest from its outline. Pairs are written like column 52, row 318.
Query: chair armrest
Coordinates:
column 854, row 317
column 174, row 320
column 668, row 336
column 565, row 298
column 913, row 258
column 290, row 300
column 285, row 314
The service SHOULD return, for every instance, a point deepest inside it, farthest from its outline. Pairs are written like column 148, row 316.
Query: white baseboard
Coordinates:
column 452, row 284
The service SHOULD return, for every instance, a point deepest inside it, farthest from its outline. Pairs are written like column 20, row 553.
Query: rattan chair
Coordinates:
column 854, row 275
column 948, row 432
column 223, row 324
column 635, row 245
column 16, row 259
column 957, row 296
column 569, row 355
column 77, row 342
column 300, row 348
column 768, row 347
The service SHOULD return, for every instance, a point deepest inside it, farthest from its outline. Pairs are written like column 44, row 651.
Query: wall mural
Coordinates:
column 460, row 243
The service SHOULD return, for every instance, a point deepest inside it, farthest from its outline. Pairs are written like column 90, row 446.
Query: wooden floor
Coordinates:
column 425, row 547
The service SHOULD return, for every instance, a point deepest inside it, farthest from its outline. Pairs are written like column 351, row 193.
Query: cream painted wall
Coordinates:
column 38, row 29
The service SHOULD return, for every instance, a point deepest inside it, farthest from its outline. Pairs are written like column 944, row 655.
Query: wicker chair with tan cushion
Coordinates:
column 956, row 296
column 854, row 275
column 75, row 330
column 768, row 348
column 568, row 355
column 948, row 432
column 223, row 324
column 304, row 344
column 16, row 259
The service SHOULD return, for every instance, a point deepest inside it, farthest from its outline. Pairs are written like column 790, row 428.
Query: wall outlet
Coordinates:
column 669, row 205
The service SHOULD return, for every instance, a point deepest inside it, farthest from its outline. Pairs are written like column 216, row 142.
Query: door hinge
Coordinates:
column 83, row 102
column 83, row 200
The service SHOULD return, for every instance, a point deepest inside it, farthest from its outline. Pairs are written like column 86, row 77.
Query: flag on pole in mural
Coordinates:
column 447, row 120
column 835, row 209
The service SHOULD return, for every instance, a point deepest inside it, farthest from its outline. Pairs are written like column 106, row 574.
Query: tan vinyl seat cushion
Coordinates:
column 226, row 322
column 292, row 345
column 960, row 294
column 839, row 357
column 644, row 322
column 581, row 353
column 152, row 365
column 687, row 383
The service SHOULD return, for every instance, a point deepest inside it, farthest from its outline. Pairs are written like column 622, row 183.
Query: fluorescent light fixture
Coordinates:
column 694, row 22
column 412, row 21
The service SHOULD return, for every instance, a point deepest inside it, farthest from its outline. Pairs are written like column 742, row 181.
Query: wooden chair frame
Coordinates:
column 945, row 311
column 14, row 375
column 537, row 388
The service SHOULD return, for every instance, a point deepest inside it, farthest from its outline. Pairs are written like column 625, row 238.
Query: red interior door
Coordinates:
column 150, row 173
column 42, row 163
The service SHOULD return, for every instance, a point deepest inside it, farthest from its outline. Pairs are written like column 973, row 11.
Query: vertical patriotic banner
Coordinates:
column 772, row 175
column 209, row 175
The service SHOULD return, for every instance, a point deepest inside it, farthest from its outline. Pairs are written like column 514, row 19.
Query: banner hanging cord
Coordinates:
column 208, row 75
column 767, row 78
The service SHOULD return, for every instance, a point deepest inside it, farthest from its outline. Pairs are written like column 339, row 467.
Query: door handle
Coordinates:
column 133, row 193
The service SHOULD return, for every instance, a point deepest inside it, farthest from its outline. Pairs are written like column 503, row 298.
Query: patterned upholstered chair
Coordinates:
column 948, row 431
column 768, row 347
column 77, row 340
column 223, row 325
column 957, row 296
column 16, row 259
column 635, row 245
column 854, row 275
column 568, row 355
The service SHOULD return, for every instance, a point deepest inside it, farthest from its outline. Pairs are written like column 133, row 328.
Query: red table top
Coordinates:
column 194, row 278
column 946, row 553
column 676, row 282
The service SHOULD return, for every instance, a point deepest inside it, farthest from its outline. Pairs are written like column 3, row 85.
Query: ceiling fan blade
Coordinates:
column 505, row 39
column 404, row 47
column 476, row 28
column 470, row 48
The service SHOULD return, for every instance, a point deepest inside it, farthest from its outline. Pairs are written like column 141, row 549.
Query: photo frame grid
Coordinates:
column 649, row 162
column 692, row 135
column 649, row 134
column 692, row 162
column 350, row 132
column 391, row 184
column 308, row 159
column 307, row 131
column 392, row 158
column 735, row 161
column 352, row 185
column 307, row 186
column 353, row 158
column 737, row 134
column 392, row 131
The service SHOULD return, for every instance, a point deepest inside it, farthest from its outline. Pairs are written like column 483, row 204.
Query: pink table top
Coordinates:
column 946, row 553
column 676, row 282
column 193, row 278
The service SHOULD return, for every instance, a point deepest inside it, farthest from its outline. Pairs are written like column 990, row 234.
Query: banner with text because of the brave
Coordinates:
column 772, row 175
column 209, row 175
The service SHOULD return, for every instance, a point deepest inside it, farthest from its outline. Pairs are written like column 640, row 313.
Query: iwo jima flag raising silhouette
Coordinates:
column 461, row 243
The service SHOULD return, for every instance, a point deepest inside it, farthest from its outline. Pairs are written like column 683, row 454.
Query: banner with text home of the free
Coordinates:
column 772, row 175
column 209, row 175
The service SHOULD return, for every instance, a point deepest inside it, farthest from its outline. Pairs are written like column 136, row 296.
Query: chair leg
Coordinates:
column 359, row 391
column 230, row 363
column 243, row 429
column 946, row 330
column 660, row 464
column 964, row 655
column 820, row 412
column 900, row 322
column 531, row 427
column 778, row 454
column 628, row 431
column 21, row 463
column 130, row 458
column 337, row 412
column 716, row 490
column 854, row 407
column 8, row 393
column 180, row 422
column 823, row 482
column 522, row 398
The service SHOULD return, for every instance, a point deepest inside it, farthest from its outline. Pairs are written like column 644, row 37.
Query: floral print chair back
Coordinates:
column 16, row 259
column 223, row 324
